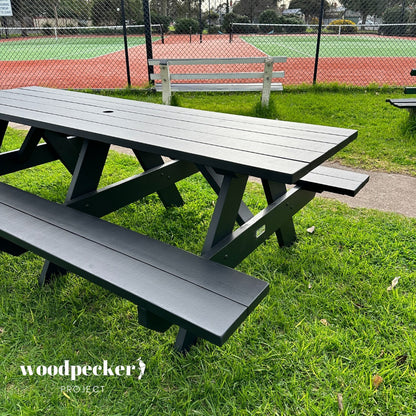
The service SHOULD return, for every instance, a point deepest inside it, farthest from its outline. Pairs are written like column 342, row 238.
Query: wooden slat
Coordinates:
column 334, row 180
column 252, row 123
column 204, row 297
column 223, row 87
column 219, row 75
column 192, row 149
column 403, row 102
column 216, row 61
column 256, row 129
column 193, row 139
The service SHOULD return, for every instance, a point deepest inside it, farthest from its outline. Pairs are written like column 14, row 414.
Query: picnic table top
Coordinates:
column 271, row 149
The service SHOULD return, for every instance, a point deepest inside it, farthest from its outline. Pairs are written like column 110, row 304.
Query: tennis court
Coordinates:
column 99, row 61
column 65, row 47
column 333, row 46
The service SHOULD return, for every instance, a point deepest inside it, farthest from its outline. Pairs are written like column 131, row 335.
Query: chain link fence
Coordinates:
column 106, row 43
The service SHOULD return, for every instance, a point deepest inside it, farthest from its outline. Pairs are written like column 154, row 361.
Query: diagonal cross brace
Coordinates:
column 236, row 246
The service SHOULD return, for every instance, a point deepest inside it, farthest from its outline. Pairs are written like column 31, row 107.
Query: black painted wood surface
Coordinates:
column 207, row 299
column 272, row 149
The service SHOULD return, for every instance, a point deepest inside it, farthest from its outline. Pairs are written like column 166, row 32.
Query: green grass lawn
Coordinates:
column 72, row 47
column 332, row 46
column 328, row 326
column 329, row 336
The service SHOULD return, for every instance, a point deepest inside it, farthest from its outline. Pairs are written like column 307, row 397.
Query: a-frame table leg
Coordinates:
column 3, row 128
column 223, row 220
column 86, row 177
column 286, row 234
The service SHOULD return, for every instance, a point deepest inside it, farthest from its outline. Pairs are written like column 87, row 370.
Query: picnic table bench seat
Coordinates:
column 169, row 285
column 334, row 180
column 404, row 103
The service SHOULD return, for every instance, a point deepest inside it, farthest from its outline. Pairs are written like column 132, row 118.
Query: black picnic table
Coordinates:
column 203, row 294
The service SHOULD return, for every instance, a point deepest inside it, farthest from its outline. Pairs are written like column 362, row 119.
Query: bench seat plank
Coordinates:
column 216, row 61
column 402, row 102
column 206, row 298
column 334, row 180
column 224, row 87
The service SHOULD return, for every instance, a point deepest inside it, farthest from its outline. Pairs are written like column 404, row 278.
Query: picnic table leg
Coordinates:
column 169, row 196
column 222, row 223
column 87, row 174
column 286, row 234
column 67, row 150
column 3, row 128
column 226, row 209
column 215, row 181
column 185, row 340
column 30, row 143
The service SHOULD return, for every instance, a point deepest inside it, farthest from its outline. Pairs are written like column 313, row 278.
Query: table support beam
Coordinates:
column 9, row 161
column 88, row 169
column 170, row 196
column 236, row 246
column 30, row 143
column 112, row 197
column 66, row 148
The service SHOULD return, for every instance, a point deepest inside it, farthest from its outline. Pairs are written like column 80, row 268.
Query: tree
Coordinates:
column 253, row 8
column 310, row 8
column 107, row 12
column 366, row 7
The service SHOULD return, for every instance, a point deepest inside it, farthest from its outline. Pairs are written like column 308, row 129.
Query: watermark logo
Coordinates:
column 76, row 371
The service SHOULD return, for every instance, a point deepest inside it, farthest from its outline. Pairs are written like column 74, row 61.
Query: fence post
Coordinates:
column 267, row 81
column 201, row 26
column 162, row 34
column 148, row 36
column 126, row 46
column 318, row 41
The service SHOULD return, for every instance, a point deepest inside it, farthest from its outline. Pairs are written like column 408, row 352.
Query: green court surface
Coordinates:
column 302, row 46
column 64, row 47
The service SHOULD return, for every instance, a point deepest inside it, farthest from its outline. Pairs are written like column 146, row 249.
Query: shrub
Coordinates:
column 269, row 17
column 393, row 15
column 214, row 29
column 294, row 21
column 236, row 18
column 158, row 19
column 411, row 30
column 347, row 26
column 186, row 26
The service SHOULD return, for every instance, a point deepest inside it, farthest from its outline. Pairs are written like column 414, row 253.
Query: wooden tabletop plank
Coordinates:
column 290, row 139
column 284, row 153
column 183, row 131
column 281, row 170
column 250, row 123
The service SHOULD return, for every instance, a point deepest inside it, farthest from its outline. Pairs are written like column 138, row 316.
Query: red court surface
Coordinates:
column 109, row 71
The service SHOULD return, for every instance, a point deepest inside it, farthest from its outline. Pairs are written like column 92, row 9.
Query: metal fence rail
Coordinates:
column 106, row 44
